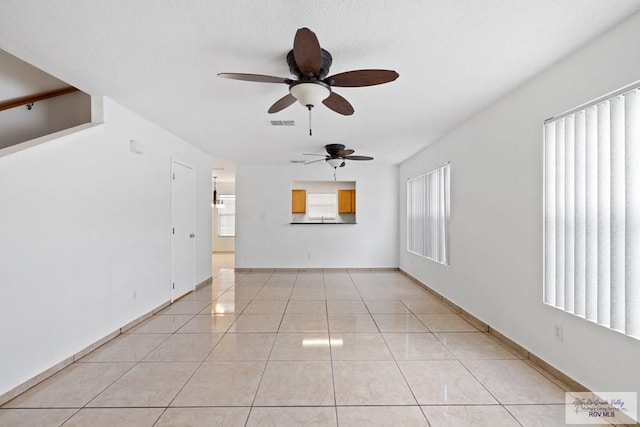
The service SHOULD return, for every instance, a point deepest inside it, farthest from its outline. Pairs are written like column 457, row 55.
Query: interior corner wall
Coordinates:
column 496, row 225
column 265, row 237
column 85, row 245
column 222, row 244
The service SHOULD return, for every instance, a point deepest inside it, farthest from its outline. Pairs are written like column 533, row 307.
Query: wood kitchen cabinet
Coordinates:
column 347, row 201
column 298, row 201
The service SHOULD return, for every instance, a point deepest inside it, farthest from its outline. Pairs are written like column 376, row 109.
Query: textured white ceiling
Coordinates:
column 18, row 78
column 160, row 58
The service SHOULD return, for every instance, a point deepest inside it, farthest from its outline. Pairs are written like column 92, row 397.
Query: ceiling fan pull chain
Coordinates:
column 309, row 107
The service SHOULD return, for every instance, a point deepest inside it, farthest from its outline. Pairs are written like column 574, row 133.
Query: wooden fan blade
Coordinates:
column 338, row 104
column 360, row 78
column 254, row 78
column 282, row 103
column 344, row 153
column 358, row 158
column 342, row 164
column 314, row 161
column 306, row 51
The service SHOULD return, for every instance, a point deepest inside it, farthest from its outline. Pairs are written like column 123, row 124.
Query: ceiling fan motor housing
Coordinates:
column 325, row 64
column 334, row 149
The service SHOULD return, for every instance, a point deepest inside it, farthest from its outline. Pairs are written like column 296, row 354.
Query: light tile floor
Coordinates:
column 309, row 349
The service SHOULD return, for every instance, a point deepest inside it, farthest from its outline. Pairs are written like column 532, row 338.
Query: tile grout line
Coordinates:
column 395, row 361
column 333, row 376
column 266, row 362
column 402, row 373
column 488, row 391
column 208, row 354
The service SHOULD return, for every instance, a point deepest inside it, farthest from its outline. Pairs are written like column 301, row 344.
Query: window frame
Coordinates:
column 591, row 232
column 223, row 213
column 428, row 214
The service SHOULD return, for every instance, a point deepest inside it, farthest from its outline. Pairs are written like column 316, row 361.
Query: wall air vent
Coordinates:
column 282, row 123
column 297, row 161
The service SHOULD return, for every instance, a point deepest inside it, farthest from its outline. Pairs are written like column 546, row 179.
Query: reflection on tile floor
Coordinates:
column 309, row 348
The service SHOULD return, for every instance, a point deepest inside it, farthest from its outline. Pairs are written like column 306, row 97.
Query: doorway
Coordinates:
column 182, row 229
column 223, row 226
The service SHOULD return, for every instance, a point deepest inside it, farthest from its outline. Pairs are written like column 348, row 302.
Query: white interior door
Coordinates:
column 182, row 230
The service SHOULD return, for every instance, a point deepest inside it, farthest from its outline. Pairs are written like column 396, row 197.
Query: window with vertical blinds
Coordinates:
column 592, row 212
column 428, row 215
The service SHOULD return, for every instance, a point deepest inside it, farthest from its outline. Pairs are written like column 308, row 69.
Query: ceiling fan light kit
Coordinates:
column 310, row 94
column 335, row 163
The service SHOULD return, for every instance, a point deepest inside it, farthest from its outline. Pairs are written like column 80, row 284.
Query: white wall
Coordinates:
column 496, row 215
column 222, row 244
column 84, row 224
column 265, row 237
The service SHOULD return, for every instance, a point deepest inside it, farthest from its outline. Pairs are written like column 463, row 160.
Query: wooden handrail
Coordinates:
column 30, row 99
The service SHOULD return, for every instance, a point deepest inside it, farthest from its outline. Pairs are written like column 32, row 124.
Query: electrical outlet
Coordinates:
column 557, row 333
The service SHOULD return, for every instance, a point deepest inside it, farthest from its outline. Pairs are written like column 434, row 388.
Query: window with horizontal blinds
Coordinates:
column 227, row 216
column 428, row 215
column 592, row 212
column 321, row 206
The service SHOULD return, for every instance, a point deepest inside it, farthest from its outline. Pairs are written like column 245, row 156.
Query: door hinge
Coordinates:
column 173, row 230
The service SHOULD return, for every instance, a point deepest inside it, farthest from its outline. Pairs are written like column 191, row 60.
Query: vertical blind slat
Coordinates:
column 550, row 215
column 617, row 214
column 560, row 214
column 632, row 216
column 580, row 232
column 604, row 214
column 591, row 214
column 569, row 212
column 447, row 209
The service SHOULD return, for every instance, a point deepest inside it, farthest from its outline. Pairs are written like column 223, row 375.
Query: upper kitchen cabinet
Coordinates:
column 347, row 201
column 298, row 201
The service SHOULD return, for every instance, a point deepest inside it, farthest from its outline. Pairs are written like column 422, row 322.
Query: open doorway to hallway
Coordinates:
column 223, row 218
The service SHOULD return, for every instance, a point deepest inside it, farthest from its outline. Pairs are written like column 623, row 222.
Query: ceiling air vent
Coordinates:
column 282, row 123
column 297, row 161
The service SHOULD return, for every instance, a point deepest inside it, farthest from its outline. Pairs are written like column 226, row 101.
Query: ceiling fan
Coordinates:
column 309, row 63
column 336, row 156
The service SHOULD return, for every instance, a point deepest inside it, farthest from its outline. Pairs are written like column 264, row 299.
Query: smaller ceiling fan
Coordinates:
column 336, row 156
